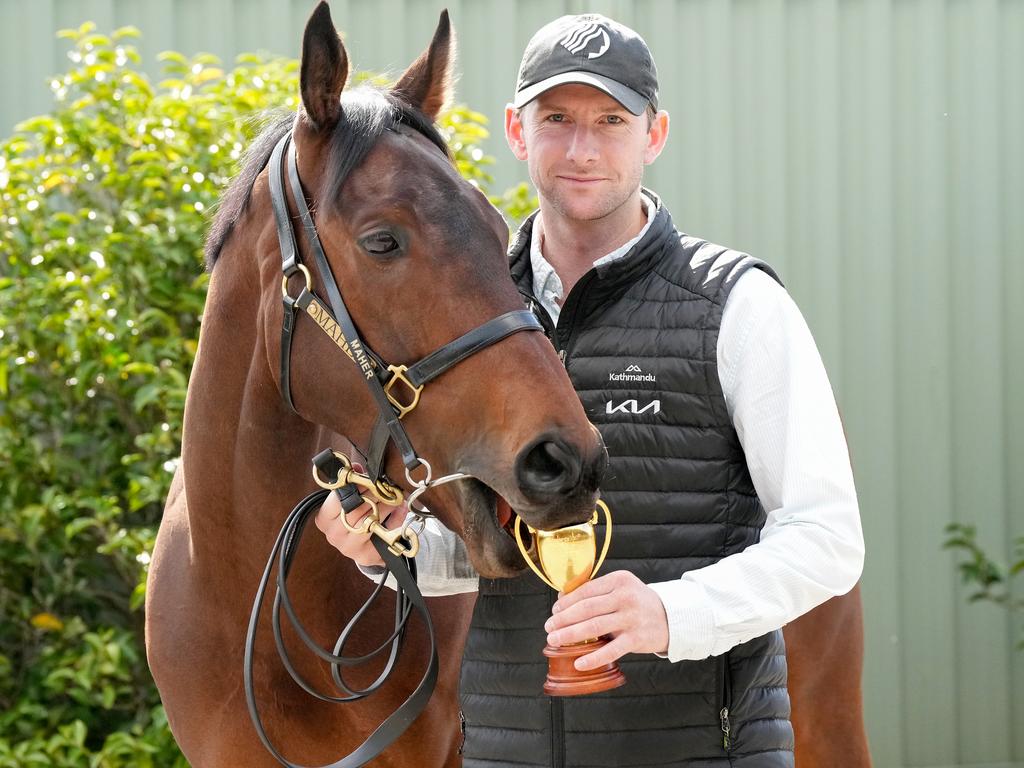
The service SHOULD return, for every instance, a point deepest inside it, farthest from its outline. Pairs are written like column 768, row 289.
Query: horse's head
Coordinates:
column 419, row 256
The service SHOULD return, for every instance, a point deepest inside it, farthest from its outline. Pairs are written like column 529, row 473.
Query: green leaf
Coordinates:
column 128, row 31
column 36, row 124
column 95, row 41
column 172, row 56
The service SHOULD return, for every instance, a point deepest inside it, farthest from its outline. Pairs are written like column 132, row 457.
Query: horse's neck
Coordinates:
column 244, row 454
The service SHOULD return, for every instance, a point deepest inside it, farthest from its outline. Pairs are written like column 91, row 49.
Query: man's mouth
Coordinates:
column 582, row 179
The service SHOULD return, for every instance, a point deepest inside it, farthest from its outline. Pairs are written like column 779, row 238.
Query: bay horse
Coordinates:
column 420, row 255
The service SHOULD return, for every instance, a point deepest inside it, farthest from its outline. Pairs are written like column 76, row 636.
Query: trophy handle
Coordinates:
column 607, row 535
column 527, row 558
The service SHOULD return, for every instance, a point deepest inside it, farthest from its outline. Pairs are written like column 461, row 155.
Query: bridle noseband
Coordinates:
column 396, row 390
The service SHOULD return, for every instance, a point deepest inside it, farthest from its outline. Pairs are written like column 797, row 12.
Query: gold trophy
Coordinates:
column 568, row 559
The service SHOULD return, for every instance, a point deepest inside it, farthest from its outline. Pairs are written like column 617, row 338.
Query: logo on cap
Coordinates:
column 579, row 38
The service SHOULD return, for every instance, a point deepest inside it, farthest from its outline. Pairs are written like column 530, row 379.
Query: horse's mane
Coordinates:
column 366, row 112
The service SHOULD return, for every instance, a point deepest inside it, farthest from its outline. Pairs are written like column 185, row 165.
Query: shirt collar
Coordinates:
column 547, row 286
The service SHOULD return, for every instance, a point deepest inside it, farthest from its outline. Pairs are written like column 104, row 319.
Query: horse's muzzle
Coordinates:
column 550, row 469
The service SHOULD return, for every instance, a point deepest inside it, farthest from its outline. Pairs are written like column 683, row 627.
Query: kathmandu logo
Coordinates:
column 632, row 373
column 582, row 35
column 633, row 407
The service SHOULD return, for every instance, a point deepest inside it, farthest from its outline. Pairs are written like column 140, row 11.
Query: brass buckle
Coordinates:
column 398, row 374
column 284, row 283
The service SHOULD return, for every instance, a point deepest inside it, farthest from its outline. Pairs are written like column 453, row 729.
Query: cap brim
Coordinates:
column 627, row 97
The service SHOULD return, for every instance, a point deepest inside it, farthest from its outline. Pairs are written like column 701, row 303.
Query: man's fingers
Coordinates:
column 394, row 517
column 583, row 610
column 602, row 585
column 328, row 512
column 615, row 650
column 356, row 546
column 589, row 629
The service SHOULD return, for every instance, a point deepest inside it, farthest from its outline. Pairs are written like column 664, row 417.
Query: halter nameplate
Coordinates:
column 322, row 317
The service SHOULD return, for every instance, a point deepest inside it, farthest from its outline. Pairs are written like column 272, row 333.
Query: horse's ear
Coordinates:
column 324, row 69
column 428, row 83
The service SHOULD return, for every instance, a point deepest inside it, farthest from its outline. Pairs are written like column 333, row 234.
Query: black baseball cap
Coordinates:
column 593, row 50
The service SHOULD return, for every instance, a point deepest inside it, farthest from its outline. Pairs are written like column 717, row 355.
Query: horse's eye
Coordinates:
column 380, row 244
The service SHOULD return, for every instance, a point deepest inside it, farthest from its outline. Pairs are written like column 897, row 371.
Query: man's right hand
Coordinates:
column 356, row 546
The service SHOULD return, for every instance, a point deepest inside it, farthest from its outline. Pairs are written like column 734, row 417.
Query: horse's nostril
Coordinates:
column 549, row 467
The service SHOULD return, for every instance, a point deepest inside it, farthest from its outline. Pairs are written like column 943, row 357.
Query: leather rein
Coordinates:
column 396, row 390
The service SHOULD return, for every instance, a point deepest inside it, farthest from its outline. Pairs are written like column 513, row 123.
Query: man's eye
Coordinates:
column 556, row 118
column 615, row 119
column 380, row 243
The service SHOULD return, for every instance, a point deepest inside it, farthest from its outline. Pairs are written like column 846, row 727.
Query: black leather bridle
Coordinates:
column 381, row 378
column 383, row 381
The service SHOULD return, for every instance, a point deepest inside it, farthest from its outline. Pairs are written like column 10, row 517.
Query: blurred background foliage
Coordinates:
column 988, row 580
column 104, row 203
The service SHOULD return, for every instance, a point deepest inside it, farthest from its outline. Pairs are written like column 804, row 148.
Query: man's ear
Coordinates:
column 428, row 82
column 657, row 135
column 323, row 70
column 514, row 131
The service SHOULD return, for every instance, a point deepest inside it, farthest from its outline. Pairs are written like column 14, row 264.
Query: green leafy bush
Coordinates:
column 991, row 581
column 103, row 207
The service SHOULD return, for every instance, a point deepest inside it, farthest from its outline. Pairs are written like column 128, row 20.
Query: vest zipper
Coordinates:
column 569, row 309
column 557, row 734
column 725, row 699
column 462, row 731
column 568, row 313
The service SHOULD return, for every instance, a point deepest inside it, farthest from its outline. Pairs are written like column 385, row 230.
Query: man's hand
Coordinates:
column 356, row 546
column 616, row 604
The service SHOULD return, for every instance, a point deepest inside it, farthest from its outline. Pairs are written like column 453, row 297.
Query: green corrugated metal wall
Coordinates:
column 870, row 150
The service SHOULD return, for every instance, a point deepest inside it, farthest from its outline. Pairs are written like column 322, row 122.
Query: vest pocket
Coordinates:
column 725, row 700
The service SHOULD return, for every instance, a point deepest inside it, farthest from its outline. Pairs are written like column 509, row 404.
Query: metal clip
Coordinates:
column 383, row 491
column 398, row 374
column 284, row 284
column 402, row 542
column 366, row 523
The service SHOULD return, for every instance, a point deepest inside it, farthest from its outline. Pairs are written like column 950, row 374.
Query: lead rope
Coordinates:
column 397, row 549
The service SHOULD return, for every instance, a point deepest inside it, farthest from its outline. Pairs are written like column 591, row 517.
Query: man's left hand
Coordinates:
column 617, row 604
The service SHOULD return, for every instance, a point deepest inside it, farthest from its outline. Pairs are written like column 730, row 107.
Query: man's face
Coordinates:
column 585, row 151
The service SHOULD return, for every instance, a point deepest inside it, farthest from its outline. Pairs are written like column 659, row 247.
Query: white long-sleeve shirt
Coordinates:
column 783, row 409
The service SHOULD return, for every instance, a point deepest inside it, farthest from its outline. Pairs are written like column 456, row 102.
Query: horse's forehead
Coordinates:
column 405, row 170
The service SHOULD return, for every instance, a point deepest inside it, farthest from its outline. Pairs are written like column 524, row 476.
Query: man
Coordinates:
column 729, row 478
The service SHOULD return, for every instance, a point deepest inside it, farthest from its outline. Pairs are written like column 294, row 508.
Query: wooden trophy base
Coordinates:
column 565, row 680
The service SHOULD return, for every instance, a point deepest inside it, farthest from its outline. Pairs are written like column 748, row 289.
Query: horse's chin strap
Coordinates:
column 395, row 388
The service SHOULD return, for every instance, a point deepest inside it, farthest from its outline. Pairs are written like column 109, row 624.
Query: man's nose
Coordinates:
column 582, row 147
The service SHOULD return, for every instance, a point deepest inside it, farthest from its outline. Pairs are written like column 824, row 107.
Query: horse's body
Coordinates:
column 245, row 453
column 825, row 654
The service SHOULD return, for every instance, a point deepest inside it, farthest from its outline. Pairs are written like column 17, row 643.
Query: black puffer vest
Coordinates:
column 639, row 339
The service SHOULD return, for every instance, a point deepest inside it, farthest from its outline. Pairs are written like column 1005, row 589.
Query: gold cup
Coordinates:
column 567, row 560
